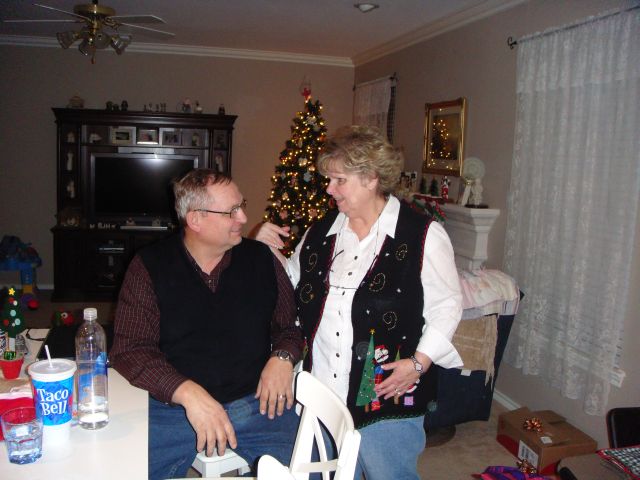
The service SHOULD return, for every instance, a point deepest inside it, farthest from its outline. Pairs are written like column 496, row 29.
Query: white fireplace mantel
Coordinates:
column 468, row 229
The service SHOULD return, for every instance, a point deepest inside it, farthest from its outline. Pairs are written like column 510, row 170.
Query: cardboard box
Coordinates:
column 557, row 440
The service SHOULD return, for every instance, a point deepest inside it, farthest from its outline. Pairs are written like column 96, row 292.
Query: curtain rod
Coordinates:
column 514, row 42
column 393, row 78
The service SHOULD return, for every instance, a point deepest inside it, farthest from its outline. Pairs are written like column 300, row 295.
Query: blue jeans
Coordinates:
column 389, row 449
column 172, row 440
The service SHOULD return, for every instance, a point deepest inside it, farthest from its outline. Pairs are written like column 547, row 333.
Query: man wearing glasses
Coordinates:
column 206, row 323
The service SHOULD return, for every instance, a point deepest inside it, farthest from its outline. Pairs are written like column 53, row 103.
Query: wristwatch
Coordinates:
column 417, row 365
column 283, row 355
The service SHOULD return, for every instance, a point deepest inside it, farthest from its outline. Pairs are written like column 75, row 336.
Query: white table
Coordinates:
column 117, row 451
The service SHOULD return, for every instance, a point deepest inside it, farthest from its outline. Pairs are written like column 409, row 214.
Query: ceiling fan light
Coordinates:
column 66, row 39
column 366, row 7
column 87, row 47
column 120, row 42
column 101, row 40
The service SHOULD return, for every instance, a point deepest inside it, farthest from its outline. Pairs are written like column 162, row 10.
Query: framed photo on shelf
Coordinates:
column 220, row 161
column 220, row 139
column 170, row 137
column 122, row 135
column 147, row 136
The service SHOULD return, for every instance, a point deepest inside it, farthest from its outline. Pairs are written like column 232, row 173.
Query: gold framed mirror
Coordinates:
column 443, row 151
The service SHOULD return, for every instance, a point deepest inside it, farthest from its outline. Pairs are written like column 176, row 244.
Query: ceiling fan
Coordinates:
column 95, row 19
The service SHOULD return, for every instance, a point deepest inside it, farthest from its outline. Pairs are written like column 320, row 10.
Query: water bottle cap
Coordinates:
column 90, row 313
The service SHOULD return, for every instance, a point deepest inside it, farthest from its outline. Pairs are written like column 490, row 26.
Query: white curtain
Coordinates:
column 573, row 201
column 371, row 103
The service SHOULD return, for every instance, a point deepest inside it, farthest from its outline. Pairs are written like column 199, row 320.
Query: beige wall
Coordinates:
column 263, row 94
column 475, row 62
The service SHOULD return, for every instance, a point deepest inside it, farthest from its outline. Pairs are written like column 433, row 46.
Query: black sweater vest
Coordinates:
column 219, row 340
column 386, row 314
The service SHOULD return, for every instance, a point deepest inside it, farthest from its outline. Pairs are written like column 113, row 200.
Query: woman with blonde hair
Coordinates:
column 378, row 299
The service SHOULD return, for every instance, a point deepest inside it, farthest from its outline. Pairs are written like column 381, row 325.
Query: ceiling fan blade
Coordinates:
column 62, row 11
column 151, row 31
column 40, row 21
column 137, row 19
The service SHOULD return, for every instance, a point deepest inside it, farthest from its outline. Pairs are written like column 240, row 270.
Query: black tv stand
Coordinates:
column 91, row 254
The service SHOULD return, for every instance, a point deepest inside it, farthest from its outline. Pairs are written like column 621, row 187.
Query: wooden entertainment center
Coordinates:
column 91, row 249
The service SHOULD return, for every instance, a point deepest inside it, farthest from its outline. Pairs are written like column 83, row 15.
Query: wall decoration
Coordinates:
column 443, row 151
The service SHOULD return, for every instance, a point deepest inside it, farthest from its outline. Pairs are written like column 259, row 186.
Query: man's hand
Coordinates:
column 275, row 387
column 207, row 417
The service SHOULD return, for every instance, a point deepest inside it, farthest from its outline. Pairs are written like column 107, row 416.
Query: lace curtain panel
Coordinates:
column 371, row 103
column 573, row 202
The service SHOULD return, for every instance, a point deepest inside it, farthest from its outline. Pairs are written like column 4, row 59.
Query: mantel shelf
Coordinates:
column 468, row 229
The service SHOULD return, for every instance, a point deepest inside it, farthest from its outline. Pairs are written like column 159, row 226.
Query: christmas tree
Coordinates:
column 298, row 197
column 366, row 392
column 12, row 321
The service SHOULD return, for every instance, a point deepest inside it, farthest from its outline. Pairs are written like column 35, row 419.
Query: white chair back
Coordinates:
column 271, row 469
column 323, row 406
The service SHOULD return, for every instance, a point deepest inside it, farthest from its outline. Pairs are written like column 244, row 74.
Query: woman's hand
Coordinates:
column 270, row 234
column 403, row 377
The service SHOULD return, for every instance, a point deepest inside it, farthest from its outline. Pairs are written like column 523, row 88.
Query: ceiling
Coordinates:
column 332, row 28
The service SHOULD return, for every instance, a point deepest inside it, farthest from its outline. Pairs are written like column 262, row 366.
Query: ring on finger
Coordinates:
column 280, row 396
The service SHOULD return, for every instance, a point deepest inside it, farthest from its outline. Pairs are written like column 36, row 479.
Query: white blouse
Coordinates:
column 352, row 260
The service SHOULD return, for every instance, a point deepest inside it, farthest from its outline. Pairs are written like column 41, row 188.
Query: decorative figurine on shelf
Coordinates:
column 198, row 108
column 195, row 139
column 186, row 105
column 124, row 106
column 444, row 188
column 109, row 105
column 71, row 189
column 221, row 110
column 433, row 188
column 76, row 102
column 69, row 161
column 476, row 192
column 71, row 137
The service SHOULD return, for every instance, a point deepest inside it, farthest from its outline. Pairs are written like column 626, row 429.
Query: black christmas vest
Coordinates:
column 219, row 340
column 386, row 314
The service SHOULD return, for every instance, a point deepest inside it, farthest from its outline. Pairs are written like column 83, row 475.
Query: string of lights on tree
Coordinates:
column 298, row 197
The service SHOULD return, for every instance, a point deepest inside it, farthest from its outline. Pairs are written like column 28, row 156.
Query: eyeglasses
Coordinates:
column 327, row 283
column 233, row 213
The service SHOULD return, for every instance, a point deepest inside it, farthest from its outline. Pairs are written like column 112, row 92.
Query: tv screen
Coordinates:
column 136, row 186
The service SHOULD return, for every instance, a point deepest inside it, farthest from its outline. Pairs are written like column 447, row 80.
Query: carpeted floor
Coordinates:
column 472, row 448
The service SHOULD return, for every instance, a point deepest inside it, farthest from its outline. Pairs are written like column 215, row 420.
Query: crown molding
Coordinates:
column 192, row 50
column 446, row 24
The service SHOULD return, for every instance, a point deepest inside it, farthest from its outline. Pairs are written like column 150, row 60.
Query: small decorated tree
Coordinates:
column 298, row 197
column 366, row 392
column 11, row 322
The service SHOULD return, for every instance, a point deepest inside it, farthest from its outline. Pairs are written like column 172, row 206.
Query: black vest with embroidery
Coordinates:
column 219, row 340
column 386, row 315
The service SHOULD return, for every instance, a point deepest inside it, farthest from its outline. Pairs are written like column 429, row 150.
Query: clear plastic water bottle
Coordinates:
column 91, row 358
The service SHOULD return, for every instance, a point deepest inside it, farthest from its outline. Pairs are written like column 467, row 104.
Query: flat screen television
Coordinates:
column 135, row 186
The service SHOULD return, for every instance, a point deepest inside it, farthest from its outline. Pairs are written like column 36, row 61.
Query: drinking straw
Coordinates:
column 46, row 349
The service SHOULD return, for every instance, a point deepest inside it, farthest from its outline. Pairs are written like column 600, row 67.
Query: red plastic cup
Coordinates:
column 11, row 368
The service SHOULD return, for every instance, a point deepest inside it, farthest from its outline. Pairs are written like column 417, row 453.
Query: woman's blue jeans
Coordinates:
column 389, row 449
column 172, row 440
